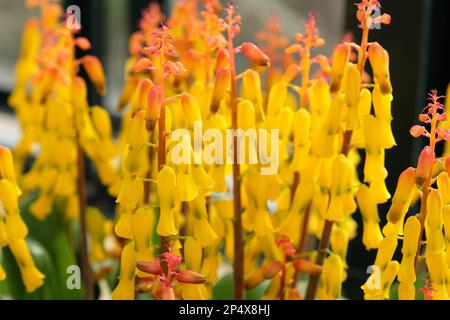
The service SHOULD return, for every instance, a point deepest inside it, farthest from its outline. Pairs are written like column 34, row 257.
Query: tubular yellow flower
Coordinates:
column 439, row 274
column 400, row 201
column 351, row 87
column 166, row 185
column 142, row 225
column 125, row 287
column 340, row 57
column 155, row 100
column 221, row 84
column 406, row 291
column 31, row 276
column 302, row 142
column 443, row 183
column 371, row 230
column 407, row 272
column 139, row 101
column 385, row 251
column 333, row 275
column 379, row 60
column 138, row 135
column 446, row 217
column 382, row 107
column 434, row 223
column 94, row 70
column 201, row 227
column 341, row 183
column 251, row 89
column 319, row 99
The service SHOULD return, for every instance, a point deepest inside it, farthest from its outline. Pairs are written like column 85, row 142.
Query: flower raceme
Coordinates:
column 13, row 230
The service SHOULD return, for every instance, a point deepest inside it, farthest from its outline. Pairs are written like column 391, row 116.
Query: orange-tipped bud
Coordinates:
column 188, row 276
column 272, row 270
column 221, row 84
column 307, row 266
column 141, row 95
column 425, row 164
column 83, row 43
column 151, row 267
column 142, row 64
column 222, row 59
column 167, row 294
column 291, row 73
column 402, row 196
column 255, row 55
column 340, row 57
column 94, row 70
column 379, row 60
column 155, row 100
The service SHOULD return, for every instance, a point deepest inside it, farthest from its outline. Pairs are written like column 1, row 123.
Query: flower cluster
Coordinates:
column 430, row 183
column 13, row 230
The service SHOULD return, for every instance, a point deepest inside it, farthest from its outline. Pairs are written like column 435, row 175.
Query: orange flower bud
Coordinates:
column 307, row 266
column 340, row 57
column 94, row 70
column 140, row 98
column 151, row 267
column 222, row 59
column 402, row 196
column 425, row 164
column 155, row 100
column 254, row 54
column 221, row 84
column 142, row 64
column 83, row 43
column 188, row 276
column 167, row 294
column 379, row 60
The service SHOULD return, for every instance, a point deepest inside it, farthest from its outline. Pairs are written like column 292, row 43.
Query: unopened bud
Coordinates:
column 255, row 55
column 188, row 276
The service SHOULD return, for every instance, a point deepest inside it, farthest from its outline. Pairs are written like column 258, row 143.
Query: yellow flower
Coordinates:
column 31, row 276
column 166, row 186
column 340, row 57
column 379, row 60
column 434, row 223
column 125, row 287
column 371, row 230
column 407, row 272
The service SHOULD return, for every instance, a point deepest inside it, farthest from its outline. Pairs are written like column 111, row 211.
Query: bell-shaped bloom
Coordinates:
column 372, row 235
column 135, row 162
column 7, row 167
column 277, row 99
column 201, row 227
column 221, row 84
column 131, row 192
column 125, row 288
column 446, row 217
column 186, row 189
column 155, row 101
column 388, row 278
column 407, row 273
column 341, row 171
column 379, row 60
column 166, row 186
column 333, row 274
column 319, row 99
column 385, row 251
column 138, row 135
column 31, row 276
column 302, row 140
column 339, row 242
column 351, row 86
column 443, row 183
column 254, row 54
column 202, row 178
column 251, row 88
column 127, row 93
column 434, row 223
column 339, row 62
column 94, row 70
column 193, row 253
column 382, row 107
column 101, row 121
column 438, row 271
column 140, row 99
column 123, row 227
column 142, row 225
column 400, row 201
column 191, row 109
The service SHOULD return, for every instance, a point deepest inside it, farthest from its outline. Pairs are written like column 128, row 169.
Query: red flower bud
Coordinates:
column 222, row 59
column 417, row 131
column 155, row 99
column 425, row 163
column 189, row 276
column 151, row 267
column 255, row 55
column 306, row 266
